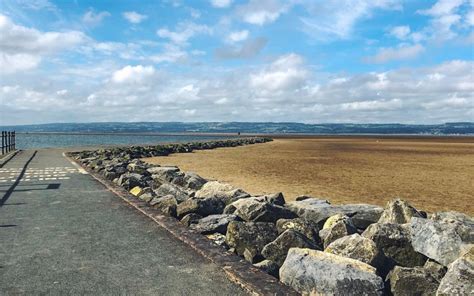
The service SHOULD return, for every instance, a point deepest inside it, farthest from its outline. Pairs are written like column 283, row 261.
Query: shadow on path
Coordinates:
column 17, row 181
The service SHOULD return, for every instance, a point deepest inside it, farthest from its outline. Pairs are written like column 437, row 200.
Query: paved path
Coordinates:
column 63, row 233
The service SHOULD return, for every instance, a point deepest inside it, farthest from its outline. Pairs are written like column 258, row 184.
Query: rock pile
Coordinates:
column 309, row 244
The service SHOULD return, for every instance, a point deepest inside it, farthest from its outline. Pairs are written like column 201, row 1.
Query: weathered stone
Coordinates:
column 164, row 174
column 277, row 249
column 359, row 248
column 313, row 272
column 411, row 281
column 319, row 211
column 269, row 267
column 130, row 180
column 305, row 227
column 459, row 280
column 335, row 227
column 443, row 241
column 166, row 204
column 170, row 189
column 275, row 199
column 137, row 167
column 146, row 197
column 190, row 219
column 395, row 241
column 463, row 223
column 190, row 181
column 213, row 224
column 136, row 191
column 250, row 235
column 201, row 206
column 256, row 210
column 435, row 269
column 217, row 238
column 110, row 175
column 252, row 255
column 399, row 211
column 226, row 192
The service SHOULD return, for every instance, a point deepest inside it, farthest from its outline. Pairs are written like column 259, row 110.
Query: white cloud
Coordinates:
column 184, row 31
column 375, row 105
column 221, row 3
column 237, row 36
column 403, row 52
column 442, row 7
column 261, row 12
column 400, row 32
column 93, row 18
column 62, row 92
column 171, row 54
column 134, row 17
column 134, row 74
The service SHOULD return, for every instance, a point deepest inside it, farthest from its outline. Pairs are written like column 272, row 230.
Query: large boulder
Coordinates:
column 257, row 210
column 442, row 240
column 395, row 241
column 459, row 280
column 277, row 249
column 359, row 248
column 305, row 227
column 313, row 272
column 170, row 189
column 213, row 223
column 164, row 174
column 190, row 219
column 335, row 227
column 275, row 199
column 226, row 192
column 269, row 267
column 201, row 206
column 399, row 211
column 319, row 211
column 166, row 204
column 191, row 181
column 131, row 180
column 250, row 236
column 411, row 281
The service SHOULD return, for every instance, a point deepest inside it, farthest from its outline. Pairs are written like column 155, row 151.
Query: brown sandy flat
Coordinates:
column 432, row 173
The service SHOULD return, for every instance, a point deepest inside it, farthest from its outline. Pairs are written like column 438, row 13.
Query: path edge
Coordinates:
column 237, row 270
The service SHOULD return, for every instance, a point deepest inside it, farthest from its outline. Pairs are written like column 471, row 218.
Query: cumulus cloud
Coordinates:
column 248, row 49
column 184, row 31
column 402, row 52
column 92, row 18
column 134, row 17
column 133, row 74
column 221, row 3
column 375, row 105
column 261, row 12
column 400, row 32
column 237, row 36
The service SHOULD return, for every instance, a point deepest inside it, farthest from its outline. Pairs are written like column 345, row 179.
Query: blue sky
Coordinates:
column 222, row 60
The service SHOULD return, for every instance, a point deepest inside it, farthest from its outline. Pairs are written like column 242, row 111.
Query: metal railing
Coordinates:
column 8, row 141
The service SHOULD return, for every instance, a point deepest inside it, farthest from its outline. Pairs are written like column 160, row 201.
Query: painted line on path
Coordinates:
column 79, row 168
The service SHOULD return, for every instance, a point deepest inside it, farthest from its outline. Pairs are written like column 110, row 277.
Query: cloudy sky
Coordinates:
column 361, row 61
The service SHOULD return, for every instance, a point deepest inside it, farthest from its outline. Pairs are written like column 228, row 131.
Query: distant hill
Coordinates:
column 460, row 128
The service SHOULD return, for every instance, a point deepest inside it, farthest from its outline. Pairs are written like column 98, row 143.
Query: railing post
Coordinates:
column 8, row 142
column 14, row 141
column 3, row 142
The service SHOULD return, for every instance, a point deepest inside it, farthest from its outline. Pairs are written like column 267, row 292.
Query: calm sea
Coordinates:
column 32, row 140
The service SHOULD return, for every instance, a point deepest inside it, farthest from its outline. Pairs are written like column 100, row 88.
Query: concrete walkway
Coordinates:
column 63, row 233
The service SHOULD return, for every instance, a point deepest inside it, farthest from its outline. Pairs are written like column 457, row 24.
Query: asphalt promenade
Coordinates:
column 63, row 233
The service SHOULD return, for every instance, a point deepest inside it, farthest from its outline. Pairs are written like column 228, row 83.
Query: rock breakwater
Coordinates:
column 309, row 244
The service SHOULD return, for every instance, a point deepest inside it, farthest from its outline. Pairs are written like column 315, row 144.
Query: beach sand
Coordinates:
column 433, row 174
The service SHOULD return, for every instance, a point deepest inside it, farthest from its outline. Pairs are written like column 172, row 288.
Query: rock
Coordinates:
column 213, row 224
column 164, row 174
column 277, row 249
column 335, row 227
column 190, row 181
column 275, row 199
column 190, row 219
column 411, row 281
column 201, row 206
column 170, row 189
column 256, row 210
column 269, row 267
column 395, row 241
column 303, row 197
column 313, row 272
column 452, row 217
column 110, row 175
column 252, row 236
column 443, row 240
column 166, row 204
column 319, row 210
column 146, row 197
column 459, row 280
column 359, row 248
column 435, row 269
column 137, row 167
column 307, row 228
column 130, row 180
column 136, row 191
column 399, row 211
column 226, row 192
column 217, row 238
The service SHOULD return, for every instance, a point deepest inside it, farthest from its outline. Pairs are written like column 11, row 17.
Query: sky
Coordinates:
column 311, row 61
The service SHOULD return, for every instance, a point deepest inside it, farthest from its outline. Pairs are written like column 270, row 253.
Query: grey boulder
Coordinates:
column 269, row 267
column 256, row 210
column 411, row 281
column 170, row 189
column 213, row 223
column 335, row 227
column 305, row 227
column 399, row 211
column 225, row 192
column 166, row 204
column 459, row 280
column 201, row 206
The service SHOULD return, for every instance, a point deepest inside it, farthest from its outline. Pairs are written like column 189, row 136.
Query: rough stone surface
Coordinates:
column 269, row 267
column 190, row 219
column 218, row 239
column 411, row 281
column 250, row 235
column 226, row 192
column 318, row 273
column 443, row 240
column 170, row 189
column 166, row 204
column 201, row 206
column 359, row 248
column 399, row 211
column 164, row 174
column 395, row 241
column 459, row 280
column 213, row 224
column 435, row 269
column 275, row 199
column 257, row 210
column 277, row 249
column 335, row 227
column 305, row 227
column 190, row 181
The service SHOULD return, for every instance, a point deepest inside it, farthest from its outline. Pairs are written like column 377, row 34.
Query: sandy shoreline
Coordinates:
column 433, row 173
